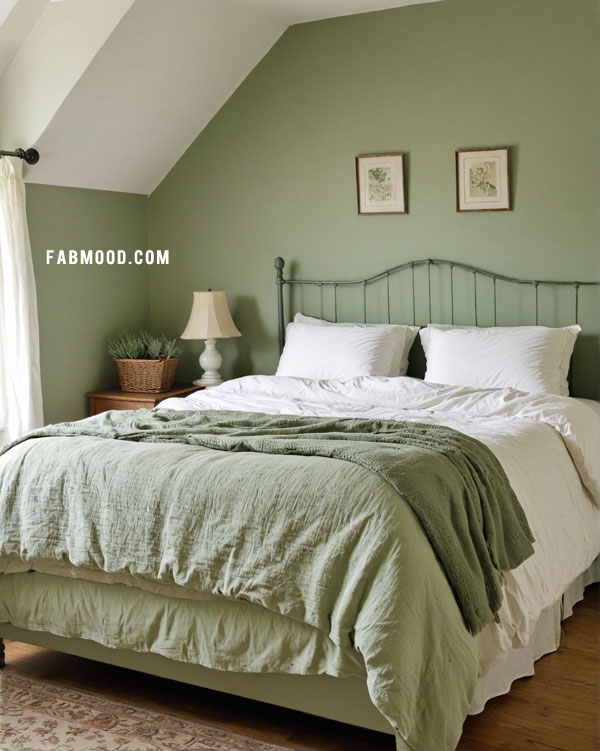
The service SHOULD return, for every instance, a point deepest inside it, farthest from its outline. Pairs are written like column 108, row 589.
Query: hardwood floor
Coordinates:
column 556, row 710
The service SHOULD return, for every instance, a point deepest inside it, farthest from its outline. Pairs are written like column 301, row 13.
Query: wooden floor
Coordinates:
column 556, row 710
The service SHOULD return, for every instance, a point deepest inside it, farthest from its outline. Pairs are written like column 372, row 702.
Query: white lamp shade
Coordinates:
column 210, row 317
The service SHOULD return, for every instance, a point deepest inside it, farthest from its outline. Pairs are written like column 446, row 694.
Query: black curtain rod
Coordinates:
column 31, row 156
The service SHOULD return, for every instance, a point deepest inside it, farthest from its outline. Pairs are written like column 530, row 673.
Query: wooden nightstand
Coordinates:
column 102, row 401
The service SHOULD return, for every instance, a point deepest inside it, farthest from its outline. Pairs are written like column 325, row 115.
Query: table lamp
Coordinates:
column 210, row 320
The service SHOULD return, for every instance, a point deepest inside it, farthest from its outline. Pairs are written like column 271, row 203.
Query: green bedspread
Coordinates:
column 298, row 534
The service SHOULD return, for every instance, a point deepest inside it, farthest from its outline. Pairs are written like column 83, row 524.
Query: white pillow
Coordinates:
column 403, row 338
column 527, row 358
column 327, row 352
column 568, row 351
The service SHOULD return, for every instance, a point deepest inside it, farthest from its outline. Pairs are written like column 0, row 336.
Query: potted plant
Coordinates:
column 144, row 362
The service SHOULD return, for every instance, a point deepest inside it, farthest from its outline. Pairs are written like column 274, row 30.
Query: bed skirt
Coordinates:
column 344, row 700
column 519, row 663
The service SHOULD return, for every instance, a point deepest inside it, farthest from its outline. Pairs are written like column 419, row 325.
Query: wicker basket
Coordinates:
column 148, row 376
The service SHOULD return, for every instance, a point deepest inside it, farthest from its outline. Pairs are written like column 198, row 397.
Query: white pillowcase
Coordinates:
column 534, row 359
column 402, row 337
column 327, row 352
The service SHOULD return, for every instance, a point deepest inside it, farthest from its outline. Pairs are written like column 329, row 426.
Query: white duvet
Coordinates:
column 549, row 447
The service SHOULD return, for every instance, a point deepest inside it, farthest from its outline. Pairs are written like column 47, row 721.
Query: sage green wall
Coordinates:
column 273, row 172
column 80, row 307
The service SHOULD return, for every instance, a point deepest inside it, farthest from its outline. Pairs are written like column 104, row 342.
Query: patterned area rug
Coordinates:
column 37, row 716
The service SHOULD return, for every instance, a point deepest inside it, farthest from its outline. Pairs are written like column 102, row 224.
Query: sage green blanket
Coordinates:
column 297, row 534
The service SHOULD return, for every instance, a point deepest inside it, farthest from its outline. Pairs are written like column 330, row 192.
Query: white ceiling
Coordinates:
column 158, row 80
column 17, row 18
column 117, row 106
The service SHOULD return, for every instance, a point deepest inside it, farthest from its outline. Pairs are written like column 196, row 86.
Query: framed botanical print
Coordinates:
column 482, row 180
column 380, row 183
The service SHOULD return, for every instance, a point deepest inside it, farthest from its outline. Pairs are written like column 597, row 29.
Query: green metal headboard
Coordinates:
column 409, row 268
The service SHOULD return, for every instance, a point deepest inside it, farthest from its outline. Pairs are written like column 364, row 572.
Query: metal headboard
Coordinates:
column 409, row 267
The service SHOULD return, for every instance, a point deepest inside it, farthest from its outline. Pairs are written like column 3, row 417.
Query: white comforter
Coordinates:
column 549, row 447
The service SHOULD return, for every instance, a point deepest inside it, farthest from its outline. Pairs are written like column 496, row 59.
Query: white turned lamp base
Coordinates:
column 210, row 362
column 210, row 320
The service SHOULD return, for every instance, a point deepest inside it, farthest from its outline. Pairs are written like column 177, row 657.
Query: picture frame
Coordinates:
column 483, row 179
column 380, row 184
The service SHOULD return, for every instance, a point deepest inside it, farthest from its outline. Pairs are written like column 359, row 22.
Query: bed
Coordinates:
column 321, row 591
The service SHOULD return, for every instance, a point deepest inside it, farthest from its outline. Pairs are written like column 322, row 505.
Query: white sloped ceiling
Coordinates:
column 112, row 92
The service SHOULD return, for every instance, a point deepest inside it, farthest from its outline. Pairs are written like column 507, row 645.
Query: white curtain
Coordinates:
column 20, row 383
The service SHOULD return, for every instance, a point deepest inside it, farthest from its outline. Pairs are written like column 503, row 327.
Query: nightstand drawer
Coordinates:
column 102, row 401
column 100, row 404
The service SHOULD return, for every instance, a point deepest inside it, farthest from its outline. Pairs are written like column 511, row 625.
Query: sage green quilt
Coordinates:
column 286, row 513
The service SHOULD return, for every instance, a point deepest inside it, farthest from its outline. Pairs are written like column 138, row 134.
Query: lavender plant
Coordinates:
column 143, row 346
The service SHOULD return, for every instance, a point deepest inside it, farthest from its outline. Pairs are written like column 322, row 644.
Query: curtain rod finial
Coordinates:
column 31, row 156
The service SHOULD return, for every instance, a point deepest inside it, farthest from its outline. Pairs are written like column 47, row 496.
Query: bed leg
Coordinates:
column 2, row 660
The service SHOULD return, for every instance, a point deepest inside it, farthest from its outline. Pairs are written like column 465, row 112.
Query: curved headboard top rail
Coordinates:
column 281, row 281
column 279, row 264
